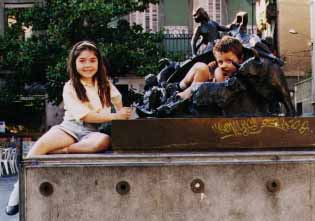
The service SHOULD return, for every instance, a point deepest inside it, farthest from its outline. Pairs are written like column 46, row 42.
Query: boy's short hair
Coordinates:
column 227, row 44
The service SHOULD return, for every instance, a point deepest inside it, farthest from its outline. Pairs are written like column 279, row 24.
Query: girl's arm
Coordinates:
column 79, row 111
column 101, row 117
column 118, row 105
column 122, row 113
column 116, row 97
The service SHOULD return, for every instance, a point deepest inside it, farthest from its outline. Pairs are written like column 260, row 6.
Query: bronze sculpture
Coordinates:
column 238, row 29
column 256, row 89
column 208, row 30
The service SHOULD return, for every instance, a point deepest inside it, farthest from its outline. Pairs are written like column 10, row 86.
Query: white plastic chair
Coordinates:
column 12, row 161
column 1, row 171
column 5, row 159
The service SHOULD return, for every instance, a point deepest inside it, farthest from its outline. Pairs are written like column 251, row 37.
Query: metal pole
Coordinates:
column 21, row 179
column 253, row 2
column 312, row 34
column 2, row 18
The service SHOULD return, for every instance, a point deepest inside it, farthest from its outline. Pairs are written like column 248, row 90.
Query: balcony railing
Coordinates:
column 178, row 44
column 303, row 91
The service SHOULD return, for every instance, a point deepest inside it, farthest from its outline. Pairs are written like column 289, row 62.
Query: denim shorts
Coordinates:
column 76, row 129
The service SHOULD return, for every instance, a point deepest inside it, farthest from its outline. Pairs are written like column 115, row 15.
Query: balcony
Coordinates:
column 303, row 97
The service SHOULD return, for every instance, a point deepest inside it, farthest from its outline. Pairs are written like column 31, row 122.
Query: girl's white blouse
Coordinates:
column 75, row 109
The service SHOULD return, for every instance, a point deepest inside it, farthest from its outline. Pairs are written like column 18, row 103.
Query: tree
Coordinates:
column 57, row 25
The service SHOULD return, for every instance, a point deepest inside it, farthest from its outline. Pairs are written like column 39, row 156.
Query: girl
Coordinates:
column 88, row 97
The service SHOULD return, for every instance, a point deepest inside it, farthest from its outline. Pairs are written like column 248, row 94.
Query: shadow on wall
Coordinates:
column 54, row 114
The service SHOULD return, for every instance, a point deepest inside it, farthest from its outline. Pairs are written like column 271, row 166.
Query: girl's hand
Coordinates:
column 123, row 114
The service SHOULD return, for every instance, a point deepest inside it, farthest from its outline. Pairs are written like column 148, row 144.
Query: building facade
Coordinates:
column 288, row 24
column 9, row 4
column 313, row 39
column 175, row 16
column 294, row 37
column 232, row 7
column 148, row 19
column 171, row 16
column 305, row 90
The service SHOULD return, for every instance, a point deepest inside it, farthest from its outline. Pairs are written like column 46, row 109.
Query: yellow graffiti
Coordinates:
column 246, row 127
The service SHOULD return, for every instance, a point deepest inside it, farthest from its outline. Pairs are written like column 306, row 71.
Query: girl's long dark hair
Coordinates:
column 100, row 77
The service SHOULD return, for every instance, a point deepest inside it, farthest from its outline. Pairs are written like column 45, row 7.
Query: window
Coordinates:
column 218, row 11
column 214, row 10
column 147, row 20
column 299, row 109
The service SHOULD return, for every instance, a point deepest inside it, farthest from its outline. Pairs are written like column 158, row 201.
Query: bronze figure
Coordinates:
column 208, row 30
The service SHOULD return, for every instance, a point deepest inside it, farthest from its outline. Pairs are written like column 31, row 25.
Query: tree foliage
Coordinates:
column 57, row 25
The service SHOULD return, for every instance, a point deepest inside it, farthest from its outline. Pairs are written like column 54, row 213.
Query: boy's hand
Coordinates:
column 236, row 65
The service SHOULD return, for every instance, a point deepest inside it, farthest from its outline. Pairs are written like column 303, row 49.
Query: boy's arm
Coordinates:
column 218, row 75
column 212, row 66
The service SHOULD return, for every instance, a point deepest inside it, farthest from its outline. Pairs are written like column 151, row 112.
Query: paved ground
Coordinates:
column 6, row 185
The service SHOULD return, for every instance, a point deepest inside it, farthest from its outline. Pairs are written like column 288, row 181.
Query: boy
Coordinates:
column 228, row 51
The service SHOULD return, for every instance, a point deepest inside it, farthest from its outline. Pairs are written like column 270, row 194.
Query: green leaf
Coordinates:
column 59, row 24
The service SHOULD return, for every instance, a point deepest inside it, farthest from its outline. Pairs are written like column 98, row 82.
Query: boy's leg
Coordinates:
column 197, row 71
column 197, row 74
column 202, row 73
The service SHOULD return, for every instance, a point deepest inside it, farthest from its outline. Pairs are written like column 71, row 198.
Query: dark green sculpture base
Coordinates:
column 202, row 134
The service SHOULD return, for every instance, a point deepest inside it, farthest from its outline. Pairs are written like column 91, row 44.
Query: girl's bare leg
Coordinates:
column 53, row 139
column 93, row 143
